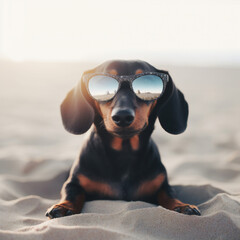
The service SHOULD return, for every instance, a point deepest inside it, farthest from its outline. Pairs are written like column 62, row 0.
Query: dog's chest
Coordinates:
column 124, row 189
column 145, row 187
column 123, row 175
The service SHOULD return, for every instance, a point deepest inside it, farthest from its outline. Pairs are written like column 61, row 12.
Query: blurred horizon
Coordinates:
column 202, row 33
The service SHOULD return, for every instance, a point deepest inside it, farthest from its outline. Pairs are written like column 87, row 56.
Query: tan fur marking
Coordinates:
column 172, row 203
column 168, row 202
column 94, row 186
column 152, row 107
column 116, row 143
column 105, row 112
column 151, row 186
column 66, row 205
column 113, row 72
column 98, row 108
column 141, row 116
column 75, row 206
column 139, row 71
column 134, row 141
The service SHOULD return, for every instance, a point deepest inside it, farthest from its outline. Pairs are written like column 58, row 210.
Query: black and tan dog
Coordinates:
column 120, row 161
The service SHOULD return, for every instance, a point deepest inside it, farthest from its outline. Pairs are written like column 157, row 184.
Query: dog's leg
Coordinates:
column 72, row 201
column 167, row 201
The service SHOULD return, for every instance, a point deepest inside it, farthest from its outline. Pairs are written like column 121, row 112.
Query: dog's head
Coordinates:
column 125, row 114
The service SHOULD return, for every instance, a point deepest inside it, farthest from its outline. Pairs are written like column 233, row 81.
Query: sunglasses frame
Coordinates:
column 126, row 78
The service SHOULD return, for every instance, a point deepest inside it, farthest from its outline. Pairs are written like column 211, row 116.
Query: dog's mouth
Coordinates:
column 126, row 133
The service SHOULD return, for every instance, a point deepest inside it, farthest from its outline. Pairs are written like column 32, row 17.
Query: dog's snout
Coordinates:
column 123, row 117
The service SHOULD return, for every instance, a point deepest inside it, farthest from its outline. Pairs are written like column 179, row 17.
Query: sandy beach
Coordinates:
column 36, row 153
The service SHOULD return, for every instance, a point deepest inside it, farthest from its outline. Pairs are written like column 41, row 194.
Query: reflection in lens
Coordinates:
column 148, row 87
column 102, row 88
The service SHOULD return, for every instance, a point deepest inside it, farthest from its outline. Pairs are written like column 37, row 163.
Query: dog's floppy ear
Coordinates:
column 77, row 113
column 173, row 109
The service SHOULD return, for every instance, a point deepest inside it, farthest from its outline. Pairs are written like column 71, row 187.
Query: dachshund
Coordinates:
column 121, row 100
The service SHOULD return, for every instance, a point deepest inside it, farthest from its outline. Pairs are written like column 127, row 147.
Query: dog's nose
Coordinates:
column 123, row 117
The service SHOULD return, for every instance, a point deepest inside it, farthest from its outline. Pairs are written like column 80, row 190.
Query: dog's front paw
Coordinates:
column 188, row 209
column 59, row 210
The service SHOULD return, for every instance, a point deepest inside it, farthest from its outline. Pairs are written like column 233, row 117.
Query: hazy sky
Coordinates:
column 175, row 31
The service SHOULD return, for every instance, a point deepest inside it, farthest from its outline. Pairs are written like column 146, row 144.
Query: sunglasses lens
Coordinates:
column 148, row 87
column 102, row 88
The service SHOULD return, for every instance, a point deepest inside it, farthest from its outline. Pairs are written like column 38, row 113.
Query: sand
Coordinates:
column 36, row 153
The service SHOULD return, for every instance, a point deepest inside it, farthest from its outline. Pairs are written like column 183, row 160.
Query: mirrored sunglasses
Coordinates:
column 147, row 86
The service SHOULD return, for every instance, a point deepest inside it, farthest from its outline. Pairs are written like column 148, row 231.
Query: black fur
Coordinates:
column 123, row 170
